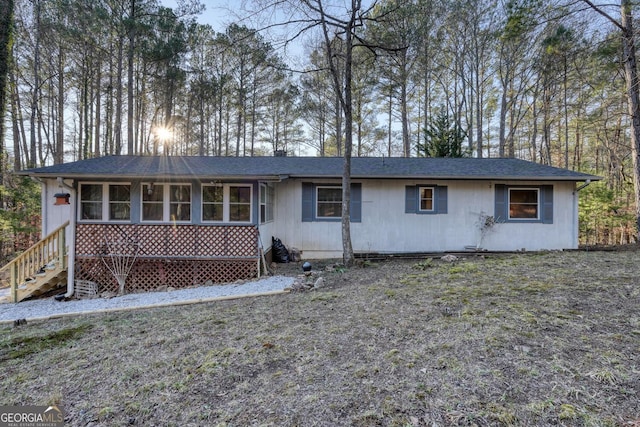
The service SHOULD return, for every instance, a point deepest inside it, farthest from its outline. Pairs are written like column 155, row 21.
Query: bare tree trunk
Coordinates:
column 98, row 89
column 406, row 144
column 343, row 91
column 254, row 115
column 130, row 82
column 108, row 140
column 6, row 19
column 202, row 118
column 566, row 116
column 31, row 159
column 347, row 248
column 389, row 123
column 59, row 153
column 633, row 91
column 503, row 118
column 478, row 105
column 338, row 118
column 117, row 131
column 19, row 135
column 241, row 106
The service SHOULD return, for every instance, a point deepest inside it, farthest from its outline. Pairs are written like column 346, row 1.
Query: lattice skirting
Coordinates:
column 171, row 241
column 151, row 274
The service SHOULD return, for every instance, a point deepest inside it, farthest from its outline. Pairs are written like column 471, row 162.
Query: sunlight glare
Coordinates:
column 163, row 133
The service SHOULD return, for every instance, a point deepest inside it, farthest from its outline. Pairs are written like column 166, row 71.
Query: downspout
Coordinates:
column 587, row 182
column 575, row 211
column 71, row 255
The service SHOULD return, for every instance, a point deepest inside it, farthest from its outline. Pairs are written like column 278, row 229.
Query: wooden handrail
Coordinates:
column 50, row 249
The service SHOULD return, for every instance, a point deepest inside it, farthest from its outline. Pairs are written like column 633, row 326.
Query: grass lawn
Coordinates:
column 531, row 339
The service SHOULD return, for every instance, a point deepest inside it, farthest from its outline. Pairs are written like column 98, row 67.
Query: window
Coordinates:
column 422, row 199
column 329, row 202
column 180, row 202
column 266, row 203
column 239, row 204
column 514, row 203
column 212, row 202
column 91, row 201
column 324, row 202
column 523, row 203
column 226, row 203
column 119, row 202
column 426, row 198
column 152, row 204
column 166, row 202
column 105, row 202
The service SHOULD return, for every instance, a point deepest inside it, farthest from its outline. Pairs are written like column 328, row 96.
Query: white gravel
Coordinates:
column 48, row 308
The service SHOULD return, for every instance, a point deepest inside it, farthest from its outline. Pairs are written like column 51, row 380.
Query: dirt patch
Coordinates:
column 529, row 339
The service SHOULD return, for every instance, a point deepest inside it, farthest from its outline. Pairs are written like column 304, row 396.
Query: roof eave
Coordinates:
column 281, row 177
column 156, row 177
column 457, row 177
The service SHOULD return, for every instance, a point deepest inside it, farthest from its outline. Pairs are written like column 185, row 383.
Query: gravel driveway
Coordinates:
column 48, row 308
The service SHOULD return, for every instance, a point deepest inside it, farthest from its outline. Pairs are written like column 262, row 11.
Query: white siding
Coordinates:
column 53, row 216
column 386, row 228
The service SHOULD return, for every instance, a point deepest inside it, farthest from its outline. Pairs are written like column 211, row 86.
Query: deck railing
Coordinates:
column 48, row 252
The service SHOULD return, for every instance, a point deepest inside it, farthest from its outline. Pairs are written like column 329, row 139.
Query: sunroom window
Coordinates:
column 180, row 202
column 119, row 202
column 105, row 202
column 226, row 203
column 152, row 202
column 166, row 202
column 212, row 203
column 91, row 201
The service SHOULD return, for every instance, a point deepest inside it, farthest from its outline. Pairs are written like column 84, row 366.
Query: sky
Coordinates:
column 220, row 13
column 217, row 13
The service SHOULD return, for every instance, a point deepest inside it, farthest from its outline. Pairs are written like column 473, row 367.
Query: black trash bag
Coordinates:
column 280, row 252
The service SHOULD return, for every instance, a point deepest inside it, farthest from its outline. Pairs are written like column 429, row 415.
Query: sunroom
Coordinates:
column 182, row 233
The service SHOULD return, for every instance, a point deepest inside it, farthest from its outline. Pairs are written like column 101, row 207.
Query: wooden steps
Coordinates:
column 40, row 269
column 42, row 283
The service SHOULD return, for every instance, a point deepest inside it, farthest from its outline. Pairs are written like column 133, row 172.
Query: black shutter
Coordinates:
column 307, row 202
column 501, row 210
column 547, row 204
column 411, row 199
column 441, row 201
column 356, row 202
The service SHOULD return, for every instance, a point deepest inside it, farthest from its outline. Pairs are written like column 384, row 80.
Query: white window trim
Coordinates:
column 539, row 207
column 433, row 198
column 202, row 203
column 106, row 203
column 166, row 203
column 266, row 189
column 226, row 203
column 318, row 187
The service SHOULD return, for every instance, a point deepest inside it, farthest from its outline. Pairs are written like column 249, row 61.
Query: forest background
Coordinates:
column 538, row 80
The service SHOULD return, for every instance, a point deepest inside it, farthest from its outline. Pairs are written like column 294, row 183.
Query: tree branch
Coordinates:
column 605, row 14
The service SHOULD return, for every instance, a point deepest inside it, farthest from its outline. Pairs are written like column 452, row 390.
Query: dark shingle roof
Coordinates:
column 168, row 167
